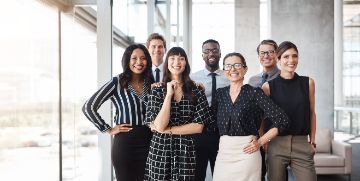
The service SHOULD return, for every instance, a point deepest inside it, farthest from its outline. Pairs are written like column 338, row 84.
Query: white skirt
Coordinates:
column 232, row 164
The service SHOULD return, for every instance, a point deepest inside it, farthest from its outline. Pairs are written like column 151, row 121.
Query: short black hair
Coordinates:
column 210, row 41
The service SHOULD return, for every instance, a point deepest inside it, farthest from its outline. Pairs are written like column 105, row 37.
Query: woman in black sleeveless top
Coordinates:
column 296, row 96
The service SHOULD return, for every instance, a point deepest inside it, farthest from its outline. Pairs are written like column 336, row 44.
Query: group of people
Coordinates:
column 169, row 123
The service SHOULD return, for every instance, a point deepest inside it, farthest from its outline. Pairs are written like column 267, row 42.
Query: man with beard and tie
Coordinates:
column 156, row 45
column 212, row 77
column 267, row 56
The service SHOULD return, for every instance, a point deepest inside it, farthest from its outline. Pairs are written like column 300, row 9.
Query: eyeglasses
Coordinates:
column 269, row 53
column 237, row 66
column 215, row 50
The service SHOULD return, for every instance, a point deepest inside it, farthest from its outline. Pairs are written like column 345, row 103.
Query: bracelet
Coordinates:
column 312, row 143
column 170, row 131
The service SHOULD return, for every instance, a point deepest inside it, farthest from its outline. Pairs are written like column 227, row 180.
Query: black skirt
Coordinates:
column 129, row 153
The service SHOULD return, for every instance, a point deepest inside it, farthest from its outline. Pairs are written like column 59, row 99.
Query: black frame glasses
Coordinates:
column 236, row 66
column 269, row 53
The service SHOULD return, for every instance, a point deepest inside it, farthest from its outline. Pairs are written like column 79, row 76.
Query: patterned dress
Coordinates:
column 172, row 157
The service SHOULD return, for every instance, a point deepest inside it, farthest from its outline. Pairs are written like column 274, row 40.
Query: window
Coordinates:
column 29, row 91
column 351, row 61
column 212, row 26
column 78, row 77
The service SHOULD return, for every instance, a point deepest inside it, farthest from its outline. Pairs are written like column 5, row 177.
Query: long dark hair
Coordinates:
column 127, row 74
column 188, row 84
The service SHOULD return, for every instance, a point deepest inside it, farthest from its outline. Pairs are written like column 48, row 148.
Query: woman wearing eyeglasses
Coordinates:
column 239, row 108
column 296, row 95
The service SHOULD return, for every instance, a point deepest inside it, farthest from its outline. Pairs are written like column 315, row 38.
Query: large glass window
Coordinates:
column 130, row 17
column 79, row 74
column 351, row 61
column 118, row 52
column 347, row 118
column 212, row 25
column 29, row 91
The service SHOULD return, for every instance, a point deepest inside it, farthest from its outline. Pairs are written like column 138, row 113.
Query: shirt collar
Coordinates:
column 160, row 67
column 145, row 90
column 207, row 72
column 272, row 72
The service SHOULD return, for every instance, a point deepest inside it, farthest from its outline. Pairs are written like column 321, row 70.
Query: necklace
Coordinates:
column 137, row 86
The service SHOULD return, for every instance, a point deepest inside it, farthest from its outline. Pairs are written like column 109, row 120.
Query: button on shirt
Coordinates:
column 204, row 77
column 242, row 117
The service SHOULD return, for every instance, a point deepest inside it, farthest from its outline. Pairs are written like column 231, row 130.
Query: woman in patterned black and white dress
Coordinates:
column 175, row 111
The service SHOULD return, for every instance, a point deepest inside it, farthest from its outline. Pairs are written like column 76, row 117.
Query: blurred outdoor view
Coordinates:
column 30, row 94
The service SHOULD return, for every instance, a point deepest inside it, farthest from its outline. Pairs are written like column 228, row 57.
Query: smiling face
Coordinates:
column 289, row 60
column 232, row 69
column 138, row 61
column 176, row 64
column 211, row 55
column 267, row 56
column 157, row 51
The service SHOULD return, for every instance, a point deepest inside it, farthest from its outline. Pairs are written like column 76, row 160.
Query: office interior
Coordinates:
column 56, row 53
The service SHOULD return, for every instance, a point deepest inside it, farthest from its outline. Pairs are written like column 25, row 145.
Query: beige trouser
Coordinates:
column 293, row 151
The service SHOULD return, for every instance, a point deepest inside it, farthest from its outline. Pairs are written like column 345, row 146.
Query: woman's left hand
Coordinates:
column 313, row 148
column 199, row 84
column 252, row 147
column 156, row 84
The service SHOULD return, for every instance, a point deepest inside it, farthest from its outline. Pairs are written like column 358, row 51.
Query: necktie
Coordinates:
column 264, row 78
column 213, row 85
column 157, row 76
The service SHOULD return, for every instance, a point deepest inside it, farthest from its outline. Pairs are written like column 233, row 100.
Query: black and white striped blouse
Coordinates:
column 129, row 106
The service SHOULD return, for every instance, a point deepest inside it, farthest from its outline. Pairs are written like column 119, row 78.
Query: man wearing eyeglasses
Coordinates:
column 267, row 56
column 212, row 77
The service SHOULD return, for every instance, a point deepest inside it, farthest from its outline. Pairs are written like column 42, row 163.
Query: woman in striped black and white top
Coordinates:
column 127, row 91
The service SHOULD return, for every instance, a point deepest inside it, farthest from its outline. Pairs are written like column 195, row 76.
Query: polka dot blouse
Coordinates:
column 243, row 117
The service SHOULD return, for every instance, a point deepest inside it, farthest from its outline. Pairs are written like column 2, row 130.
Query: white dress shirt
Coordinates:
column 204, row 77
column 161, row 68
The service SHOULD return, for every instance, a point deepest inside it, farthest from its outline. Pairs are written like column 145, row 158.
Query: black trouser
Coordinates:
column 129, row 153
column 206, row 147
column 263, row 167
